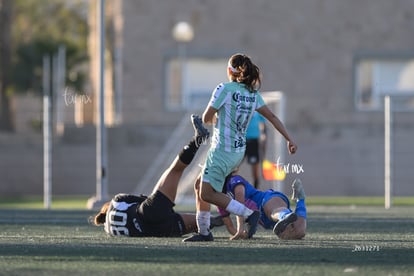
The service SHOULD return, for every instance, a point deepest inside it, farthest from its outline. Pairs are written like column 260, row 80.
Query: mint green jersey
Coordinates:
column 235, row 105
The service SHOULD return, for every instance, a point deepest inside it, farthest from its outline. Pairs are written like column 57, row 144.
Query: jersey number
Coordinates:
column 118, row 222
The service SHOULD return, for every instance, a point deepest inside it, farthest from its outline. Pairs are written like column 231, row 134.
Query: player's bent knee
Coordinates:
column 197, row 184
column 206, row 196
column 207, row 192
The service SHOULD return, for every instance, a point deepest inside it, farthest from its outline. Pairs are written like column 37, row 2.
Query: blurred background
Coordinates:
column 333, row 60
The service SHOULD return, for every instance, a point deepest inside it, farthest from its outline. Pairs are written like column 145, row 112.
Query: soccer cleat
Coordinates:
column 201, row 133
column 298, row 190
column 252, row 222
column 281, row 225
column 216, row 221
column 199, row 238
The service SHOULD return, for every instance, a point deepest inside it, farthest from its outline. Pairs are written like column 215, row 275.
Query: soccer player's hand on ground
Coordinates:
column 239, row 236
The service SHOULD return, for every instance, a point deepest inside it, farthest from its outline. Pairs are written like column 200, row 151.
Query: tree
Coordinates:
column 39, row 27
column 6, row 112
column 27, row 70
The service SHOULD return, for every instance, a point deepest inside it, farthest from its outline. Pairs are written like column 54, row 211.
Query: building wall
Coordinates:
column 305, row 48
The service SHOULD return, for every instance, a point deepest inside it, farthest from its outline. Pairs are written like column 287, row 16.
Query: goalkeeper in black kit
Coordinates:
column 154, row 216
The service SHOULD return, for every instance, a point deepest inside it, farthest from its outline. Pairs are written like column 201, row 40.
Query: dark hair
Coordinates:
column 245, row 71
column 101, row 216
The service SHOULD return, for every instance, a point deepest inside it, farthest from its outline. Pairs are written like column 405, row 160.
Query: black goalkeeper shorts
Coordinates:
column 160, row 218
column 252, row 151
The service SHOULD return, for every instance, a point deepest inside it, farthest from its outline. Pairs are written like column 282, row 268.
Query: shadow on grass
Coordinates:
column 200, row 254
column 54, row 236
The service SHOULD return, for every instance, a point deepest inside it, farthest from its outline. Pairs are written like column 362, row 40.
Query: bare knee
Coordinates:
column 207, row 196
column 207, row 193
column 197, row 185
column 203, row 190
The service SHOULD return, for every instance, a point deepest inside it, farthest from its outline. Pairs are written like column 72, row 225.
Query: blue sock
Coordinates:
column 282, row 214
column 300, row 208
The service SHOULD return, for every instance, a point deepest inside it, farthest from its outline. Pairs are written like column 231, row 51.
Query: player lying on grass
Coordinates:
column 274, row 208
column 140, row 216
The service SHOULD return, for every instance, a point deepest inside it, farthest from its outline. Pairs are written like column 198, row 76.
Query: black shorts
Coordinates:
column 159, row 217
column 252, row 151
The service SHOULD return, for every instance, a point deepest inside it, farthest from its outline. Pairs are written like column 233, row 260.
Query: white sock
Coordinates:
column 203, row 222
column 238, row 209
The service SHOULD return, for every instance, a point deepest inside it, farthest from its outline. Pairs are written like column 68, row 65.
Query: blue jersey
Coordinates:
column 254, row 199
column 253, row 130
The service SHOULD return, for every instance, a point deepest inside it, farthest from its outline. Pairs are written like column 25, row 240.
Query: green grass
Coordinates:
column 61, row 242
column 36, row 202
column 359, row 201
column 79, row 202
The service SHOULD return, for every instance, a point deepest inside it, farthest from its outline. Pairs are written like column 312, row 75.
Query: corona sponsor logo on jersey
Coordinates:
column 240, row 98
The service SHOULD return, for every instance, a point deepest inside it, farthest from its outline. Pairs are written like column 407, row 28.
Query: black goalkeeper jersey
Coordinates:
column 142, row 216
column 122, row 218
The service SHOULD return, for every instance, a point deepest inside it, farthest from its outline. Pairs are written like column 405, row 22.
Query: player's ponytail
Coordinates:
column 101, row 216
column 243, row 70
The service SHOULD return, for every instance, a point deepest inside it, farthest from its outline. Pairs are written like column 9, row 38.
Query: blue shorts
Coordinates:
column 220, row 164
column 265, row 221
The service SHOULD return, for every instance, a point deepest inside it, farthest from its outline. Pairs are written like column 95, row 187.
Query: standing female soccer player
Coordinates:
column 230, row 108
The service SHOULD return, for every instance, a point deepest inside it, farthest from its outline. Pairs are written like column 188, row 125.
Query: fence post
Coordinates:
column 387, row 151
column 101, row 150
column 47, row 134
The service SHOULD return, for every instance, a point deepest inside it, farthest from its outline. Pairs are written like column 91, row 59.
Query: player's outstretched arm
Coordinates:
column 277, row 124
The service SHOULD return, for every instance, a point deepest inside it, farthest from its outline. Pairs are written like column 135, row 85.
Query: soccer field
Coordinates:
column 340, row 240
